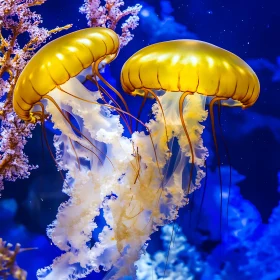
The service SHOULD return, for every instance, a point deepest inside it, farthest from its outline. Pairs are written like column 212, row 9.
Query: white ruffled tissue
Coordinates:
column 129, row 182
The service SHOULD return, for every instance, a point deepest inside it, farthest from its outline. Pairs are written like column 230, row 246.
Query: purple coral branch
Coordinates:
column 109, row 16
column 16, row 18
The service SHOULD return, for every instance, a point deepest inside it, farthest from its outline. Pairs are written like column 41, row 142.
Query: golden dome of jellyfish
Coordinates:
column 174, row 71
column 194, row 67
column 51, row 75
column 60, row 60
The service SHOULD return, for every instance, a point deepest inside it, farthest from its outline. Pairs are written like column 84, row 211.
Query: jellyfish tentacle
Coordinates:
column 78, row 131
column 138, row 159
column 227, row 154
column 212, row 117
column 102, row 90
column 124, row 112
column 76, row 155
column 41, row 115
column 169, row 248
column 88, row 149
column 140, row 110
column 73, row 148
column 181, row 110
column 203, row 196
column 162, row 111
column 191, row 206
column 122, row 115
column 95, row 70
column 134, row 216
column 224, row 142
column 169, row 159
column 96, row 103
column 92, row 78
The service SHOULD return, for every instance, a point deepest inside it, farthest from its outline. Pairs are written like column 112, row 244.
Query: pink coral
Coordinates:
column 109, row 16
column 16, row 18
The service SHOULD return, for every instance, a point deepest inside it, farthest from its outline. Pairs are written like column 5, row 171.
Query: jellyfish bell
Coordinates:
column 191, row 66
column 183, row 76
column 59, row 61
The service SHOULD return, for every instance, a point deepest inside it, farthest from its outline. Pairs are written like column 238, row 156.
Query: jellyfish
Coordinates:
column 183, row 76
column 52, row 77
column 90, row 148
column 102, row 166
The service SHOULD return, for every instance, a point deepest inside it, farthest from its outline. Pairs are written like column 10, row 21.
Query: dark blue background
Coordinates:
column 249, row 29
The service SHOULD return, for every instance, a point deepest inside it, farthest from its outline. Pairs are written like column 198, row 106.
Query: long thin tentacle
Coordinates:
column 124, row 112
column 96, row 71
column 140, row 110
column 169, row 248
column 211, row 111
column 227, row 154
column 72, row 145
column 102, row 90
column 181, row 103
column 162, row 111
column 78, row 131
column 203, row 196
column 41, row 116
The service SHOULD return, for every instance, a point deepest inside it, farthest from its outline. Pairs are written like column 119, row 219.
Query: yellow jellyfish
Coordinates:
column 59, row 61
column 50, row 79
column 191, row 66
column 49, row 84
column 184, row 74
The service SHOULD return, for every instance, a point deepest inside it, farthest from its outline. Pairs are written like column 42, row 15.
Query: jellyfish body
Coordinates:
column 194, row 67
column 103, row 167
column 183, row 76
column 90, row 147
column 60, row 60
column 184, row 72
column 50, row 82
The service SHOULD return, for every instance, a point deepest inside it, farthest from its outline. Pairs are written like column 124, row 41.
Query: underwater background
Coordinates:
column 250, row 246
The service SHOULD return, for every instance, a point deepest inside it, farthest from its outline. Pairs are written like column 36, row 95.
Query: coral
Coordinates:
column 244, row 226
column 179, row 260
column 263, row 250
column 110, row 15
column 8, row 265
column 16, row 20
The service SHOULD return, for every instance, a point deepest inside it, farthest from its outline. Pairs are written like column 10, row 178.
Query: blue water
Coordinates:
column 249, row 29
